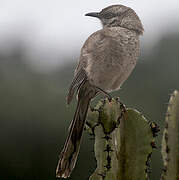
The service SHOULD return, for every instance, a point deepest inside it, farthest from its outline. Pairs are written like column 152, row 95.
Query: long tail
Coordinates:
column 68, row 156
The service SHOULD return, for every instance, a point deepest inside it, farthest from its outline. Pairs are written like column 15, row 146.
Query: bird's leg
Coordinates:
column 105, row 93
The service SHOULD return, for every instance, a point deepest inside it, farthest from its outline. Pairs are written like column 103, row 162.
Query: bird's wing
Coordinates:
column 79, row 77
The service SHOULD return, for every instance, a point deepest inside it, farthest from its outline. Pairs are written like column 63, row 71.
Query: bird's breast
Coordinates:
column 112, row 57
column 109, row 75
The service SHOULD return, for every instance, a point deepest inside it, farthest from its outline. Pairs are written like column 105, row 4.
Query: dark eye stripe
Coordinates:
column 113, row 22
column 109, row 15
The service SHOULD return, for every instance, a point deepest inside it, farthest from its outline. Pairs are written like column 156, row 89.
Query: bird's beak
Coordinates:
column 93, row 14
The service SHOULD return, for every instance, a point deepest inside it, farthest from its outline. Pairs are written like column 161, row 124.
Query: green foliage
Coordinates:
column 170, row 142
column 123, row 141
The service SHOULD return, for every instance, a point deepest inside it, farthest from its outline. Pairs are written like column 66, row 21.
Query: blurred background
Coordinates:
column 40, row 44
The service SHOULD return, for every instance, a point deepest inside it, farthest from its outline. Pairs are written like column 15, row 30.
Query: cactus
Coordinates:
column 124, row 139
column 170, row 141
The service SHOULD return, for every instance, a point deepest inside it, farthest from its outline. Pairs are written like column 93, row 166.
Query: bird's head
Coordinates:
column 119, row 15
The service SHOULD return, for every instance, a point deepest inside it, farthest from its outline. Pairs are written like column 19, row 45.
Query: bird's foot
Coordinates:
column 105, row 93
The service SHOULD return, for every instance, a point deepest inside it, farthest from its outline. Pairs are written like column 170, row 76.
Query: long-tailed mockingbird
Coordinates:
column 107, row 59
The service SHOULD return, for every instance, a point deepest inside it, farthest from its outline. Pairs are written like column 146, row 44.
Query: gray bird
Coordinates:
column 107, row 59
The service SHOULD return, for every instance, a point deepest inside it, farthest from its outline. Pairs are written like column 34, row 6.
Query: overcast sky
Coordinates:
column 61, row 27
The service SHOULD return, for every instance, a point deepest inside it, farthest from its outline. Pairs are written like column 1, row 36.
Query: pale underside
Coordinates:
column 109, row 56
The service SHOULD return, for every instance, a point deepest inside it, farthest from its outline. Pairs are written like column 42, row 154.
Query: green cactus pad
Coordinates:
column 170, row 141
column 109, row 114
column 101, row 122
column 122, row 141
column 135, row 149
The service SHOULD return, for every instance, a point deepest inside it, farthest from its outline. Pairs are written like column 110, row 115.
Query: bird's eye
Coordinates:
column 108, row 15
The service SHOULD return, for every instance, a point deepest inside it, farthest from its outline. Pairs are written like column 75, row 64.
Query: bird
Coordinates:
column 107, row 59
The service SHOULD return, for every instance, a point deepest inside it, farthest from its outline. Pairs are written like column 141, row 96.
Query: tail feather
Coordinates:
column 71, row 148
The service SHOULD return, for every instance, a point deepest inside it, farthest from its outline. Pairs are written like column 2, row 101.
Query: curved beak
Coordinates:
column 93, row 14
